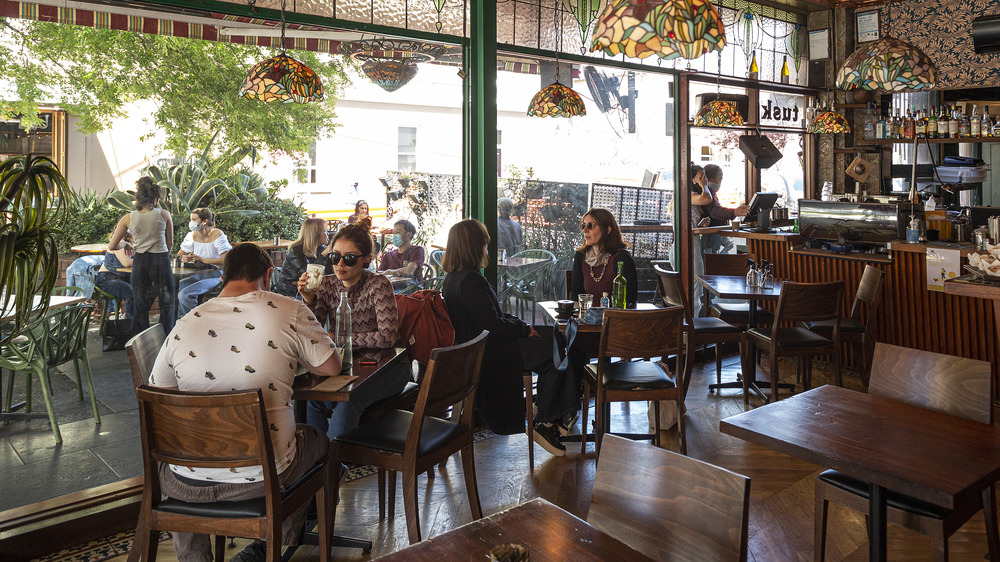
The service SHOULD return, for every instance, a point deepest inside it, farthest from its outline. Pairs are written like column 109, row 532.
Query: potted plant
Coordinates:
column 30, row 205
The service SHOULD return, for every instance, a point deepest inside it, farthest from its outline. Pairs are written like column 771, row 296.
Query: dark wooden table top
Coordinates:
column 304, row 387
column 550, row 309
column 548, row 533
column 936, row 457
column 735, row 287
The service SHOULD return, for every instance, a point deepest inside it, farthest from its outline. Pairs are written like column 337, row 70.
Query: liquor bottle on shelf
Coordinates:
column 869, row 130
column 897, row 126
column 880, row 126
column 995, row 130
column 920, row 127
column 943, row 121
column 909, row 128
column 964, row 126
column 975, row 123
column 754, row 69
column 784, row 69
column 986, row 125
column 953, row 123
column 932, row 124
column 808, row 114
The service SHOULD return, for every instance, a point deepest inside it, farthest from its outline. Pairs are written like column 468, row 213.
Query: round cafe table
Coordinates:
column 90, row 249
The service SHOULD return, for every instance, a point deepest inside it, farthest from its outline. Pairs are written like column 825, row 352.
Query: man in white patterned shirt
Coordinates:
column 246, row 338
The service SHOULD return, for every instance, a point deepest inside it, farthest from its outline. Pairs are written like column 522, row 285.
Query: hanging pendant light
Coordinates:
column 828, row 121
column 666, row 28
column 719, row 112
column 557, row 100
column 890, row 65
column 391, row 63
column 282, row 78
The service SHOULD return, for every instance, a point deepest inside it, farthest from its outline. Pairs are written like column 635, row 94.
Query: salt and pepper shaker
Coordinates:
column 759, row 274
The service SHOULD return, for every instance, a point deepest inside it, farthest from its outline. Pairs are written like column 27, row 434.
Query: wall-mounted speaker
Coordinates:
column 817, row 74
column 759, row 150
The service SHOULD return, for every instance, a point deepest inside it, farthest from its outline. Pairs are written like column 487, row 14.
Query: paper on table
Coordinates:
column 333, row 384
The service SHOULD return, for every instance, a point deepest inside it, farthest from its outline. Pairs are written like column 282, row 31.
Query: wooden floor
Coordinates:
column 781, row 504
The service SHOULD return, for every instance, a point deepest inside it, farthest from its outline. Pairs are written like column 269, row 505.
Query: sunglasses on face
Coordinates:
column 350, row 260
column 588, row 225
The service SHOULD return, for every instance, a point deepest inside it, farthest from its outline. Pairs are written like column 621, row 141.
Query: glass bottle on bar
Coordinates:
column 869, row 130
column 932, row 124
column 896, row 125
column 619, row 289
column 909, row 127
column 754, row 69
column 920, row 126
column 975, row 123
column 342, row 335
column 784, row 69
column 943, row 121
column 986, row 126
column 953, row 123
column 880, row 126
column 964, row 126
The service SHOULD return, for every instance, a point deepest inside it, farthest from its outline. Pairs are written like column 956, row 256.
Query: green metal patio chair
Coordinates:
column 435, row 261
column 530, row 283
column 57, row 338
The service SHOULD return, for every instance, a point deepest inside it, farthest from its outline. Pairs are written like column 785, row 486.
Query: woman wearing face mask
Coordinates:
column 373, row 324
column 717, row 214
column 406, row 260
column 204, row 244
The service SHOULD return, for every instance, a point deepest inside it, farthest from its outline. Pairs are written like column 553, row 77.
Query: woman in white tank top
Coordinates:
column 153, row 232
column 203, row 244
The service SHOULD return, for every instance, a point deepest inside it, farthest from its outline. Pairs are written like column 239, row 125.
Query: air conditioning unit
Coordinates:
column 986, row 34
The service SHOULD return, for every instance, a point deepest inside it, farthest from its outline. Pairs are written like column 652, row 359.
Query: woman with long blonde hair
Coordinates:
column 309, row 247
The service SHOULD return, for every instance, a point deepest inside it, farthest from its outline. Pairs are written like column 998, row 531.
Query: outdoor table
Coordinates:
column 548, row 532
column 88, row 249
column 270, row 245
column 735, row 287
column 56, row 302
column 931, row 456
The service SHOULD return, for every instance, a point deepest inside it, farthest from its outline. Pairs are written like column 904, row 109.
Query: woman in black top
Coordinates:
column 512, row 346
column 595, row 264
column 309, row 247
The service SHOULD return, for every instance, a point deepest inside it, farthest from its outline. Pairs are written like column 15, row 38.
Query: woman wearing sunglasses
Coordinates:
column 511, row 347
column 595, row 264
column 373, row 324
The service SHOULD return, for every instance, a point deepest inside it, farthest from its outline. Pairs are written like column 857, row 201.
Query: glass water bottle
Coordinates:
column 342, row 332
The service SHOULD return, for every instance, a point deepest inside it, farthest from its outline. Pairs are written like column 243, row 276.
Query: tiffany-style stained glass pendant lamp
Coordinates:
column 718, row 113
column 828, row 121
column 282, row 78
column 666, row 28
column 889, row 65
column 556, row 99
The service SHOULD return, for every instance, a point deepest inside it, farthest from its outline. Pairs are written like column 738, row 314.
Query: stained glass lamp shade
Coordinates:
column 889, row 65
column 556, row 100
column 389, row 75
column 283, row 79
column 718, row 113
column 666, row 28
column 829, row 122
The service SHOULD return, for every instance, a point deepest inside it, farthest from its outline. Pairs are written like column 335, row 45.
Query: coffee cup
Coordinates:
column 315, row 272
column 565, row 306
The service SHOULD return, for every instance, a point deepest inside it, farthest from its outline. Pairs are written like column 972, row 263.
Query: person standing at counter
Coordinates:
column 700, row 196
column 717, row 214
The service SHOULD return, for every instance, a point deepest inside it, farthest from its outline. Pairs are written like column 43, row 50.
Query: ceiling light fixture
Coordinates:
column 282, row 78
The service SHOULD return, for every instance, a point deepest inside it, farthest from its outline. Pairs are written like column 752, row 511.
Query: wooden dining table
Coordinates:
column 546, row 531
column 366, row 365
column 594, row 327
column 928, row 455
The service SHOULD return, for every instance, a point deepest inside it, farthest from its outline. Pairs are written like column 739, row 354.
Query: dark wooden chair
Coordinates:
column 637, row 334
column 798, row 302
column 413, row 442
column 735, row 313
column 142, row 350
column 700, row 331
column 228, row 430
column 669, row 506
column 954, row 385
column 569, row 286
column 853, row 329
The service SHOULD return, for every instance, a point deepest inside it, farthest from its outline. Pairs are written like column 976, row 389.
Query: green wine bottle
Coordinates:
column 618, row 291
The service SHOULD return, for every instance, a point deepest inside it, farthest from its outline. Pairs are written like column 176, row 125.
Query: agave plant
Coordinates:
column 29, row 259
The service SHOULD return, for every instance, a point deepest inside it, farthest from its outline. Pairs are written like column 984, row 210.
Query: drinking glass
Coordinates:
column 586, row 299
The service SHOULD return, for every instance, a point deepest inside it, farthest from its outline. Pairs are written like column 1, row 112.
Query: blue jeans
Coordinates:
column 152, row 278
column 193, row 287
column 334, row 418
column 116, row 286
column 78, row 273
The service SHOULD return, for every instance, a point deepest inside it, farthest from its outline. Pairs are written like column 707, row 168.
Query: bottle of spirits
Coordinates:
column 880, row 126
column 920, row 127
column 343, row 332
column 897, row 125
column 619, row 296
column 975, row 123
column 932, row 124
column 953, row 123
column 909, row 127
column 754, row 69
column 869, row 131
column 807, row 114
column 986, row 125
column 943, row 121
column 784, row 69
column 964, row 126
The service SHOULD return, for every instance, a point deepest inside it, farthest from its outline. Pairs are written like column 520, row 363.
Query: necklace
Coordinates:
column 597, row 279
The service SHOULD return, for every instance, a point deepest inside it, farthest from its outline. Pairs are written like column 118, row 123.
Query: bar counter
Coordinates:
column 910, row 315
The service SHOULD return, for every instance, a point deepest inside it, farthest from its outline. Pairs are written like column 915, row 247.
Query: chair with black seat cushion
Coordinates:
column 700, row 331
column 142, row 350
column 669, row 506
column 735, row 313
column 637, row 334
column 853, row 329
column 413, row 442
column 954, row 385
column 226, row 430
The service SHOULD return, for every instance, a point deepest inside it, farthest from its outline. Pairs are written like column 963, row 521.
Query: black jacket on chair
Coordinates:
column 294, row 266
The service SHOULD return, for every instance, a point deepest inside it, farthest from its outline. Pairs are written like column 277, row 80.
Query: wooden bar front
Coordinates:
column 910, row 315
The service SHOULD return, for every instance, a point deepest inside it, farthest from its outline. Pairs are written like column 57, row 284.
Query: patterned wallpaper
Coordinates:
column 943, row 30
